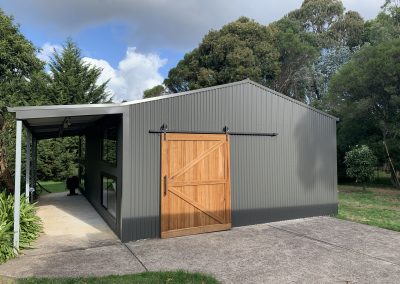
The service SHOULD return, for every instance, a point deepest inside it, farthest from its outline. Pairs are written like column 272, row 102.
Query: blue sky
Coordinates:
column 137, row 42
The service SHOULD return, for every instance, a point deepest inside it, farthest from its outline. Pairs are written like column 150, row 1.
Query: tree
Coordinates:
column 239, row 50
column 318, row 17
column 156, row 91
column 74, row 81
column 348, row 31
column 369, row 84
column 22, row 82
column 285, row 55
column 297, row 49
column 386, row 26
column 315, row 78
column 360, row 163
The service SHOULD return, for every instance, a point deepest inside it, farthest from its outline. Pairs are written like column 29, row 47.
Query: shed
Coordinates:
column 194, row 162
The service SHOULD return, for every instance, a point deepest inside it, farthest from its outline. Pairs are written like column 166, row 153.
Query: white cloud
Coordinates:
column 152, row 24
column 134, row 74
column 47, row 50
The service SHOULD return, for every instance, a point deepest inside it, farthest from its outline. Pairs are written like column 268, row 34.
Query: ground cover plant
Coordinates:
column 30, row 225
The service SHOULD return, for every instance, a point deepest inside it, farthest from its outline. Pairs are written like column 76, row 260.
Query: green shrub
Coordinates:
column 360, row 164
column 30, row 225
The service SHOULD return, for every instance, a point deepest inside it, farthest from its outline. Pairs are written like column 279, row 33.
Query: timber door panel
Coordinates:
column 195, row 184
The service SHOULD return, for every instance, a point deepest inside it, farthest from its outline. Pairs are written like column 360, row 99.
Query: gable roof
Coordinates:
column 246, row 81
column 96, row 107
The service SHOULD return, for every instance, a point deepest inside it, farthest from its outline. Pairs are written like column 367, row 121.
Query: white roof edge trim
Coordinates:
column 55, row 107
column 173, row 95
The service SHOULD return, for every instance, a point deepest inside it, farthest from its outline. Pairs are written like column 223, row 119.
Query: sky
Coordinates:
column 136, row 42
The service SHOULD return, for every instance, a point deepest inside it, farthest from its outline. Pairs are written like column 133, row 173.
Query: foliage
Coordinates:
column 30, row 225
column 316, row 79
column 239, row 50
column 170, row 277
column 374, row 206
column 328, row 22
column 386, row 26
column 73, row 80
column 297, row 49
column 360, row 163
column 156, row 91
column 22, row 82
column 368, row 85
column 286, row 55
column 57, row 158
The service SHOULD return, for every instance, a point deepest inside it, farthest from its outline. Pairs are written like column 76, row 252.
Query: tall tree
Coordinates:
column 285, row 55
column 22, row 82
column 335, row 34
column 386, row 26
column 242, row 49
column 74, row 81
column 318, row 17
column 369, row 83
column 297, row 49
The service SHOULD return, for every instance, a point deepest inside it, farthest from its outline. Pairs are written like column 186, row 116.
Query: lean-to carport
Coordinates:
column 44, row 122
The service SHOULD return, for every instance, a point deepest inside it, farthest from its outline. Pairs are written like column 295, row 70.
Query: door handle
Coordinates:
column 165, row 185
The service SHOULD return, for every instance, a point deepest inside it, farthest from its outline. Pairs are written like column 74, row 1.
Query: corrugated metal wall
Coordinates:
column 95, row 167
column 272, row 178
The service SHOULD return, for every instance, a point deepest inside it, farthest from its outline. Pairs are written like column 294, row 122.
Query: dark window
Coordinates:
column 109, row 145
column 109, row 194
column 81, row 162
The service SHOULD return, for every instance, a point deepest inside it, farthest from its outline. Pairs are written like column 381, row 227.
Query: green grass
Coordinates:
column 173, row 277
column 377, row 206
column 53, row 186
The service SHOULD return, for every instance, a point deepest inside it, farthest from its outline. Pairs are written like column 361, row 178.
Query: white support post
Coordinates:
column 17, row 190
column 28, row 164
column 34, row 161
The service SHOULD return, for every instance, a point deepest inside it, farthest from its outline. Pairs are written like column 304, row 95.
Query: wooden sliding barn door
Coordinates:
column 195, row 184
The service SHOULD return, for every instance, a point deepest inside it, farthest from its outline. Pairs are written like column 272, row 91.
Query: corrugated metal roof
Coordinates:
column 197, row 91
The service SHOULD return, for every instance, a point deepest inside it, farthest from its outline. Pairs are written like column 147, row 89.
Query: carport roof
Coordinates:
column 62, row 120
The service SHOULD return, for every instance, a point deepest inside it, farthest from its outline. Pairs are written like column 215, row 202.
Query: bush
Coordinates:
column 360, row 164
column 30, row 225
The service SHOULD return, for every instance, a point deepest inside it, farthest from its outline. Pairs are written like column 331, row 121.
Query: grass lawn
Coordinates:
column 53, row 186
column 173, row 277
column 377, row 206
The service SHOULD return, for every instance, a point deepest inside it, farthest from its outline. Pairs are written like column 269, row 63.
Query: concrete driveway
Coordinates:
column 312, row 250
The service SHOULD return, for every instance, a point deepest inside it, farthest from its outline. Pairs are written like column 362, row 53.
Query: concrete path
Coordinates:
column 312, row 250
column 75, row 242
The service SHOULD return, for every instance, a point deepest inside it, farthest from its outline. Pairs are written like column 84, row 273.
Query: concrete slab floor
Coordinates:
column 311, row 250
column 75, row 242
column 70, row 222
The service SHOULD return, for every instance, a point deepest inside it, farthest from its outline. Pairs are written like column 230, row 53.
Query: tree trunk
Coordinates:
column 5, row 176
column 393, row 173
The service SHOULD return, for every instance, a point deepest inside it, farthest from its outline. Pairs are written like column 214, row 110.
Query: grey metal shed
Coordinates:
column 282, row 156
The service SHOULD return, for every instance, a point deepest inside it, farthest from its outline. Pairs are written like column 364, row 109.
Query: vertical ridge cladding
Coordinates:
column 288, row 170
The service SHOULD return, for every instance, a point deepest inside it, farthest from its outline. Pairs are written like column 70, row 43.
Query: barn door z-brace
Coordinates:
column 225, row 130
